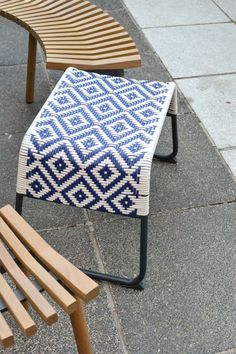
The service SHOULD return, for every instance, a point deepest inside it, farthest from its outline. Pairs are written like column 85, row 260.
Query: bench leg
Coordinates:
column 135, row 282
column 32, row 50
column 80, row 329
column 171, row 156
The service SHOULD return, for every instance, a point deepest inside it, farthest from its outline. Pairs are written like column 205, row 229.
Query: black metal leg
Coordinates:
column 114, row 72
column 171, row 156
column 19, row 203
column 135, row 282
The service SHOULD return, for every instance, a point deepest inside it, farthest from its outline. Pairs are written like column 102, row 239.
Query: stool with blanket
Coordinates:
column 91, row 146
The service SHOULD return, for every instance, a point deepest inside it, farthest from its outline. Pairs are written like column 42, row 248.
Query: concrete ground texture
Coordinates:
column 189, row 302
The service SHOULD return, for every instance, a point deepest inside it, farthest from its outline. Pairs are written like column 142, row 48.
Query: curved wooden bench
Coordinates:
column 37, row 258
column 72, row 33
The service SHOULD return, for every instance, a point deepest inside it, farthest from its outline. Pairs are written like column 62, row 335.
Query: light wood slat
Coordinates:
column 84, row 46
column 77, row 281
column 109, row 26
column 70, row 23
column 68, row 50
column 93, row 57
column 114, row 63
column 6, row 335
column 59, row 12
column 92, row 23
column 50, row 284
column 76, row 18
column 63, row 14
column 39, row 303
column 73, row 40
column 51, row 8
column 17, row 310
column 84, row 37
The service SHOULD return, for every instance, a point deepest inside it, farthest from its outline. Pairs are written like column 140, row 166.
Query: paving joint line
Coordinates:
column 222, row 10
column 229, row 148
column 55, row 228
column 189, row 25
column 203, row 75
column 201, row 206
column 107, row 287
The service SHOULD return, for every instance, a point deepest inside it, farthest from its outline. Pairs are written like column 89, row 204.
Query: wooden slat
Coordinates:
column 17, row 310
column 114, row 63
column 77, row 281
column 74, row 23
column 6, row 335
column 39, row 303
column 57, row 292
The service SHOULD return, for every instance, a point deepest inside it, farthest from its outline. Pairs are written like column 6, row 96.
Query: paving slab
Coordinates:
column 195, row 50
column 152, row 13
column 188, row 305
column 213, row 100
column 58, row 338
column 230, row 158
column 14, row 44
column 228, row 6
column 15, row 114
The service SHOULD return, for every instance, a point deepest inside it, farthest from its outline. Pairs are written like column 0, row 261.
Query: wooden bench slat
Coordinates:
column 73, row 21
column 78, row 56
column 104, row 40
column 80, row 45
column 17, row 310
column 6, row 335
column 77, row 281
column 39, row 303
column 124, row 62
column 50, row 284
column 92, row 23
column 63, row 14
column 88, row 51
column 82, row 37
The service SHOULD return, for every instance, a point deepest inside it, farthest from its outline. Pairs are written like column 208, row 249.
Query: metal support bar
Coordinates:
column 135, row 282
column 111, row 72
column 171, row 156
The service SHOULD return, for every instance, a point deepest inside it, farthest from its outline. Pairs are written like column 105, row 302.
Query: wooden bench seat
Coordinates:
column 72, row 33
column 41, row 261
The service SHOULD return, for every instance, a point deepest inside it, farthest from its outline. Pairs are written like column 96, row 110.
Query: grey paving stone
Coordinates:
column 15, row 114
column 74, row 244
column 213, row 100
column 195, row 50
column 198, row 178
column 150, row 13
column 229, row 6
column 108, row 4
column 230, row 158
column 14, row 44
column 188, row 305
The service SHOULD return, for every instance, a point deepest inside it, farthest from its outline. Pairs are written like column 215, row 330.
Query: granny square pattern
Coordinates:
column 92, row 143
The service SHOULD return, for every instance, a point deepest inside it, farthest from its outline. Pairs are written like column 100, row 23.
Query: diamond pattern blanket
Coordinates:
column 92, row 143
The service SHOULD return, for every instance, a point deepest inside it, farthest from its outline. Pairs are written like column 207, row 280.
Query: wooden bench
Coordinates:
column 41, row 261
column 72, row 33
